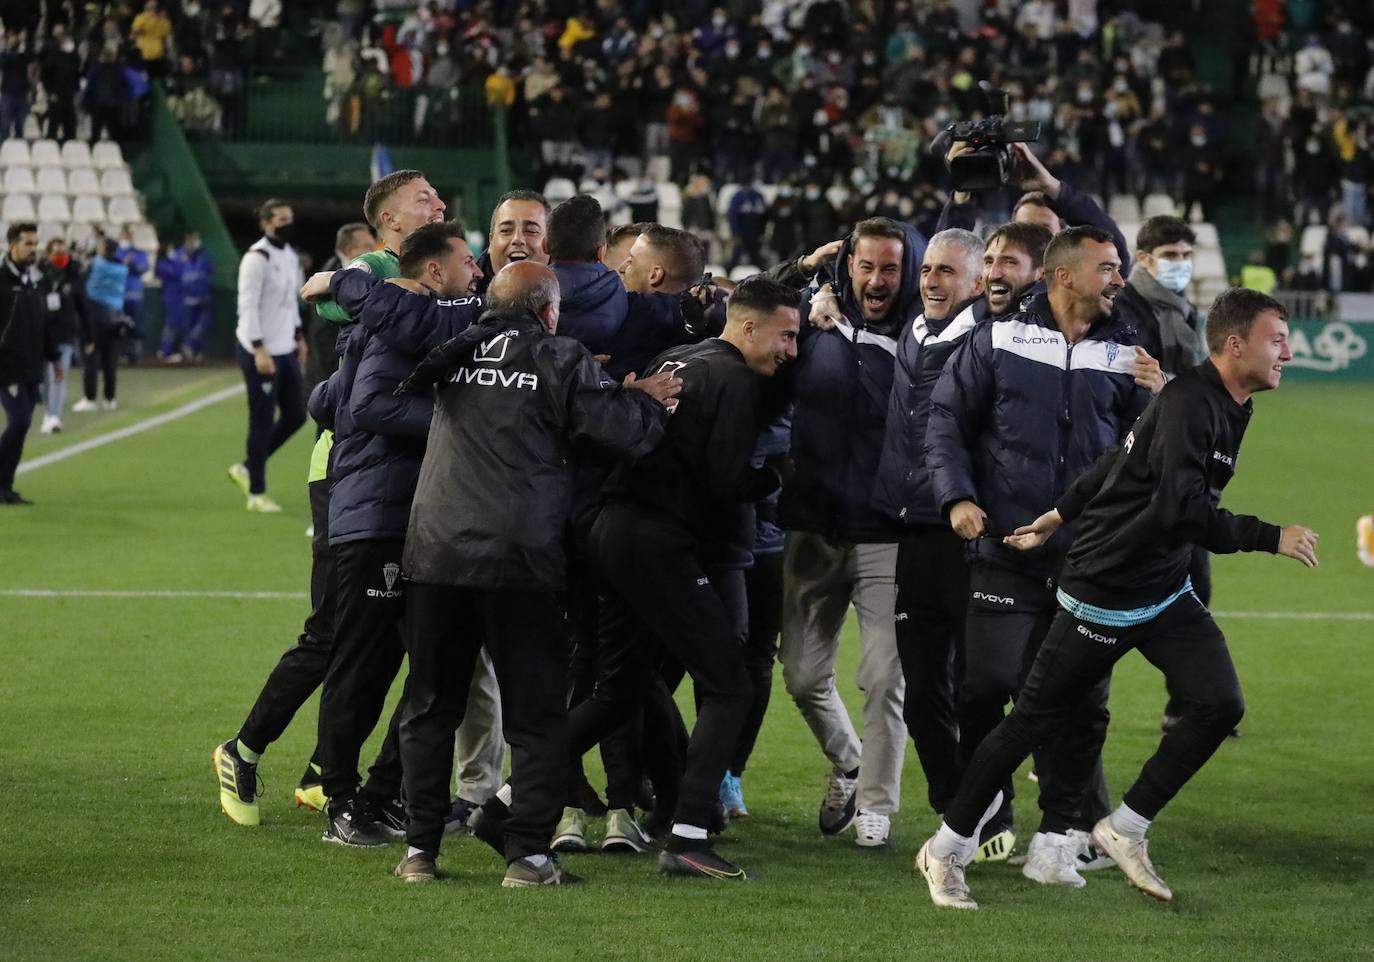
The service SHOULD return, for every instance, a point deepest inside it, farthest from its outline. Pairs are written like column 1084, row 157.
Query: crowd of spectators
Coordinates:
column 1312, row 68
column 801, row 95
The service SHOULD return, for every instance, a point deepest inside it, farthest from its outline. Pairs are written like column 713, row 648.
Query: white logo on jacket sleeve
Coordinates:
column 390, row 571
column 492, row 351
column 1227, row 460
column 671, row 367
column 1129, row 442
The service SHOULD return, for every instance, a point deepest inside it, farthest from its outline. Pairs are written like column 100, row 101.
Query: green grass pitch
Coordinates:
column 114, row 847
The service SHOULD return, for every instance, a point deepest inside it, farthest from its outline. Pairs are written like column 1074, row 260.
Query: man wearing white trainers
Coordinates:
column 272, row 349
column 1139, row 511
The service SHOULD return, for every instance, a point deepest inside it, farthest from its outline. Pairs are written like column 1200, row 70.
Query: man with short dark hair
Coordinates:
column 663, row 260
column 1139, row 509
column 271, row 349
column 1014, row 265
column 519, row 223
column 619, row 241
column 840, row 549
column 378, row 443
column 484, row 554
column 1024, row 406
column 29, row 341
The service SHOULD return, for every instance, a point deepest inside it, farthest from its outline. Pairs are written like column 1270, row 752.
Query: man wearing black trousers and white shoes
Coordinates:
column 485, row 559
column 1139, row 511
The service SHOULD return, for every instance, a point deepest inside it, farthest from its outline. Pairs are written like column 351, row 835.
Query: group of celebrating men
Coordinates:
column 564, row 475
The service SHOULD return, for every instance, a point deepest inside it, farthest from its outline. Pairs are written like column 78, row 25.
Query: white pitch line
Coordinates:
column 303, row 596
column 138, row 427
column 99, row 593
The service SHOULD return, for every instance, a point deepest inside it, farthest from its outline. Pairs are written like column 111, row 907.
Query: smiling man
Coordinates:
column 1024, row 406
column 1139, row 511
column 519, row 229
column 840, row 549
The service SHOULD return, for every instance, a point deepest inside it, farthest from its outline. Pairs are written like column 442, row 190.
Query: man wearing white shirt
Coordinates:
column 271, row 349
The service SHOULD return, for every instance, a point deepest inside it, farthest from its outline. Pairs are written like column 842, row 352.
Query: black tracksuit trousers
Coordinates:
column 763, row 586
column 368, row 648
column 1073, row 664
column 525, row 636
column 1009, row 615
column 931, row 612
column 648, row 561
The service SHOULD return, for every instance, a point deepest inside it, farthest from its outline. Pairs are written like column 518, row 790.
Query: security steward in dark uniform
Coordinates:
column 29, row 331
column 646, row 540
column 485, row 558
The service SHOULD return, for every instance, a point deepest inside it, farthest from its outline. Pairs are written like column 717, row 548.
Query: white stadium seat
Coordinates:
column 16, row 208
column 1313, row 240
column 1207, row 236
column 115, row 182
column 559, row 189
column 19, row 180
column 743, row 271
column 1124, row 207
column 46, row 153
column 14, row 151
column 75, row 154
column 144, row 236
column 50, row 230
column 51, row 180
column 82, row 181
column 88, row 210
column 1159, row 205
column 53, row 207
column 125, row 210
column 106, row 155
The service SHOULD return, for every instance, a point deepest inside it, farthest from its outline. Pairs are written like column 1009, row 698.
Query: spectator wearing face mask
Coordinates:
column 60, row 69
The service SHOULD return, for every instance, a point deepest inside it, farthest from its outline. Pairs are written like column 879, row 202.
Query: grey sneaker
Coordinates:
column 838, row 807
column 522, row 874
column 416, row 868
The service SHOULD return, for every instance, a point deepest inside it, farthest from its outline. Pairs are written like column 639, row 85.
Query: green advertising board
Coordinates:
column 1330, row 350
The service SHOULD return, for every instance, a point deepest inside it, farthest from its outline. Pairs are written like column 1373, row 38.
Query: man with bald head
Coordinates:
column 484, row 554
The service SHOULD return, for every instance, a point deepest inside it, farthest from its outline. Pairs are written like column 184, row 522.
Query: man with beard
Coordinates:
column 1024, row 406
column 840, row 550
column 379, row 440
column 28, row 344
column 1125, row 585
column 932, row 576
column 519, row 225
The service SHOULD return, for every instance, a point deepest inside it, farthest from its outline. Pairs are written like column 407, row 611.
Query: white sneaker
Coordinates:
column 83, row 405
column 872, row 829
column 110, row 405
column 945, row 878
column 1089, row 858
column 1133, row 857
column 837, row 807
column 1052, row 860
column 51, row 424
column 263, row 504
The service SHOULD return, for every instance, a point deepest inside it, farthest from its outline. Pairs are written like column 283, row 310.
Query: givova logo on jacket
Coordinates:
column 494, row 352
column 390, row 571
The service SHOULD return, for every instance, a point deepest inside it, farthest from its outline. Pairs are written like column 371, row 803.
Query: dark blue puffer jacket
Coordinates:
column 843, row 381
column 1019, row 414
column 379, row 439
column 903, row 489
column 773, row 440
column 596, row 310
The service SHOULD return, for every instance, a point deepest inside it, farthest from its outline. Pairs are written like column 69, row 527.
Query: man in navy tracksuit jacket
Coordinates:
column 932, row 577
column 1026, row 405
column 1125, row 585
column 840, row 550
column 379, row 441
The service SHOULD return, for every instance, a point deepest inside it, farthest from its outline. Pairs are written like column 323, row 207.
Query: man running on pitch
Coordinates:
column 1138, row 511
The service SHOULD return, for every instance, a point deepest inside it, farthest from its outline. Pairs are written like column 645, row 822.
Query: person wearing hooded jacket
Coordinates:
column 378, row 444
column 1024, row 406
column 485, row 552
column 840, row 550
column 932, row 576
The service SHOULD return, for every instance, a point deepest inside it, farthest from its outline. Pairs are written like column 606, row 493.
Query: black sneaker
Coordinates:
column 490, row 828
column 457, row 821
column 521, row 874
column 11, row 496
column 350, row 824
column 699, row 863
column 388, row 815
